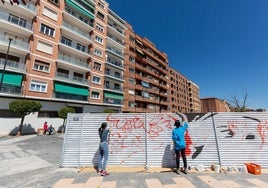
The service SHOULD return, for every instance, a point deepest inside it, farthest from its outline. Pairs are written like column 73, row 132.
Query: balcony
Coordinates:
column 115, row 41
column 70, row 79
column 114, row 76
column 11, row 90
column 113, row 89
column 15, row 24
column 13, row 66
column 78, row 19
column 73, row 63
column 113, row 101
column 75, row 33
column 74, row 48
column 115, row 64
column 115, row 52
column 16, row 46
column 28, row 10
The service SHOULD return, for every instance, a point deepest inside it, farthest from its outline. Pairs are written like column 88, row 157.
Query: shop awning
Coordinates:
column 79, row 8
column 71, row 89
column 12, row 78
column 113, row 95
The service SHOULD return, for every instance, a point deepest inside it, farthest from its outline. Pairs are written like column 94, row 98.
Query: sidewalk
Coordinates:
column 33, row 161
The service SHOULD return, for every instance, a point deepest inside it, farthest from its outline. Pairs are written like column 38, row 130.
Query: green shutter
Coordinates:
column 66, row 88
column 80, row 9
column 113, row 95
column 12, row 78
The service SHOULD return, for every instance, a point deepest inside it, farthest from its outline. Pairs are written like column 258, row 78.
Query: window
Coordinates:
column 132, row 39
column 131, row 81
column 116, row 86
column 38, row 86
column 131, row 70
column 47, row 30
column 131, row 59
column 95, row 95
column 117, row 75
column 131, row 92
column 131, row 104
column 41, row 66
column 16, row 20
column 44, row 47
column 56, row 2
column 107, row 84
column 66, row 41
column 97, row 66
column 81, row 47
column 101, row 5
column 99, row 27
column 100, row 15
column 98, row 52
column 50, row 13
column 96, row 79
column 78, row 76
column 99, row 39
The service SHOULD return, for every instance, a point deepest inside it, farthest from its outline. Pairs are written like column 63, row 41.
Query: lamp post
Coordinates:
column 5, row 64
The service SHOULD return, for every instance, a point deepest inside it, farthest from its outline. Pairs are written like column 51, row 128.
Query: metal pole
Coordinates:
column 4, row 68
column 216, row 138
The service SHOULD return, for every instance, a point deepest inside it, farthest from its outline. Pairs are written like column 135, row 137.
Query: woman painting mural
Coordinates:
column 104, row 134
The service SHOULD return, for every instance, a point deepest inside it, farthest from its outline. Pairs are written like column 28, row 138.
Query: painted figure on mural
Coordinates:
column 104, row 134
column 178, row 138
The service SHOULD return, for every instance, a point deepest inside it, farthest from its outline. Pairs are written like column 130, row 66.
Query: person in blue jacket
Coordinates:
column 179, row 142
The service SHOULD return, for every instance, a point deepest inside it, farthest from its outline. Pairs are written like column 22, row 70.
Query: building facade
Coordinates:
column 214, row 105
column 80, row 53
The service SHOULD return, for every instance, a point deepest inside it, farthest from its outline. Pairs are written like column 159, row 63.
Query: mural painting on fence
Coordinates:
column 128, row 133
column 248, row 129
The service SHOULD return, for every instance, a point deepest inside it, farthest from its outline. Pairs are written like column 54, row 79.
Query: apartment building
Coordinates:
column 194, row 98
column 179, row 92
column 80, row 53
column 213, row 104
column 146, row 75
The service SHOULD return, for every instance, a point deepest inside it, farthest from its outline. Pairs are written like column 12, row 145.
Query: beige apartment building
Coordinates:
column 80, row 53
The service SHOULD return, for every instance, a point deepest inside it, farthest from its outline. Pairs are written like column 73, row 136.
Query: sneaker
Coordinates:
column 100, row 172
column 177, row 171
column 104, row 173
column 185, row 171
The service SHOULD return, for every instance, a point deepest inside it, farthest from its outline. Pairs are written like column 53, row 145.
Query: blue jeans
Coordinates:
column 104, row 151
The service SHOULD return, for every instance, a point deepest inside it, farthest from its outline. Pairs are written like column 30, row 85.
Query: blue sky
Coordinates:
column 221, row 45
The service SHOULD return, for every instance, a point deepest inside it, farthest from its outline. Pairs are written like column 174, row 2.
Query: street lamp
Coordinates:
column 5, row 64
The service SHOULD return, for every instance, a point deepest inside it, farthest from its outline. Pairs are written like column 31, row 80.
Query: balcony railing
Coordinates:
column 75, row 45
column 116, row 40
column 115, row 28
column 115, row 51
column 28, row 6
column 113, row 88
column 69, row 78
column 66, row 96
column 114, row 75
column 15, row 43
column 113, row 101
column 11, row 90
column 79, row 17
column 74, row 29
column 15, row 20
column 115, row 63
column 13, row 65
column 73, row 61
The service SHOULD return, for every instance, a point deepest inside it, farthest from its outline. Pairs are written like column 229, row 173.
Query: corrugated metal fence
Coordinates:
column 144, row 139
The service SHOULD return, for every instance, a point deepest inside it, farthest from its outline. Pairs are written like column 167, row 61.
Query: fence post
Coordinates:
column 216, row 138
column 146, row 143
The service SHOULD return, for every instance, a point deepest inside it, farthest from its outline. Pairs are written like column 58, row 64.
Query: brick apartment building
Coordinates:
column 214, row 105
column 82, row 54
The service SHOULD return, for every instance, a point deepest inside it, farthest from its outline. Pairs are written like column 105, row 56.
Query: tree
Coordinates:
column 63, row 112
column 24, row 108
column 239, row 105
column 16, row 1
